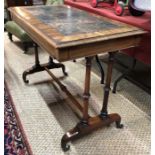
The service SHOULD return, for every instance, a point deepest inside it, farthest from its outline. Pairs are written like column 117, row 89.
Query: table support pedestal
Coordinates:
column 87, row 123
column 41, row 67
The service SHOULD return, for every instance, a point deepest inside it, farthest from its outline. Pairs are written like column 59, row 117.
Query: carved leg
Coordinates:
column 10, row 36
column 119, row 79
column 82, row 129
column 34, row 68
column 87, row 123
column 70, row 135
column 25, row 45
column 41, row 67
column 78, row 130
column 126, row 73
column 101, row 69
column 86, row 94
column 104, row 112
column 57, row 65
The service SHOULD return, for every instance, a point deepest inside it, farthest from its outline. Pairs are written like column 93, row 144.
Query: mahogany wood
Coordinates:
column 67, row 41
column 67, row 33
column 86, row 90
column 41, row 67
column 93, row 123
column 104, row 112
column 88, row 123
column 64, row 89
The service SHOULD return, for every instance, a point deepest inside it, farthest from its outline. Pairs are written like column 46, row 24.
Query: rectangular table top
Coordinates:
column 68, row 33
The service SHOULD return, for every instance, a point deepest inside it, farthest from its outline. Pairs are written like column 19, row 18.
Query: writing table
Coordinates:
column 66, row 34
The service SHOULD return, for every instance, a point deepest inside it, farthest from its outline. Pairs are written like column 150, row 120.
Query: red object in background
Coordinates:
column 142, row 52
column 95, row 3
column 119, row 9
column 117, row 6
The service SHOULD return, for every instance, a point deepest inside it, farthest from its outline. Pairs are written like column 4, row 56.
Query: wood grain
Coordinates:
column 87, row 34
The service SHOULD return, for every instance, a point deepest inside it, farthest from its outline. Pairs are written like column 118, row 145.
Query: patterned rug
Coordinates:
column 45, row 116
column 14, row 141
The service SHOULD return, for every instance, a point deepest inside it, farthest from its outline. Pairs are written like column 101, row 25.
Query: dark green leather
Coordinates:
column 16, row 30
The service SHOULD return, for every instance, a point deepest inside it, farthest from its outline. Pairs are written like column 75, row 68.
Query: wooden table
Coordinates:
column 66, row 34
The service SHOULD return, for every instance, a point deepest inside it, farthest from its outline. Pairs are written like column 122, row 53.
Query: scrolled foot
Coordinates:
column 119, row 125
column 65, row 146
column 64, row 70
column 24, row 77
column 10, row 37
column 114, row 90
column 52, row 64
column 69, row 136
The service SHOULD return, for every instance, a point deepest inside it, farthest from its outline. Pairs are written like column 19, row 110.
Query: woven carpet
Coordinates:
column 14, row 141
column 45, row 117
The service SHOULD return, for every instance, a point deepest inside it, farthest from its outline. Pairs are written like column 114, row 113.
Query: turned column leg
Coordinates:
column 86, row 94
column 104, row 111
column 10, row 36
column 37, row 63
column 82, row 127
column 34, row 68
column 87, row 123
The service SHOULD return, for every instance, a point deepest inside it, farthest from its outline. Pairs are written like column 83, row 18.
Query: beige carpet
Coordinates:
column 45, row 116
